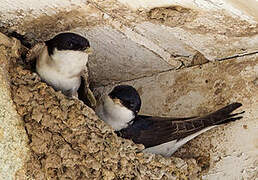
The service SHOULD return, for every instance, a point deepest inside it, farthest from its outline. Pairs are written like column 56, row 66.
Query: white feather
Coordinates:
column 62, row 70
column 116, row 115
column 167, row 149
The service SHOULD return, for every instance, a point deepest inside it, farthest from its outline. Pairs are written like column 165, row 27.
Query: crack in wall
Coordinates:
column 183, row 66
column 237, row 55
column 133, row 79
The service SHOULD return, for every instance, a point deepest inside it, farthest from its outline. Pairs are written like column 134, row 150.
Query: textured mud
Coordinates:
column 45, row 26
column 228, row 25
column 68, row 141
column 172, row 16
column 202, row 22
column 13, row 138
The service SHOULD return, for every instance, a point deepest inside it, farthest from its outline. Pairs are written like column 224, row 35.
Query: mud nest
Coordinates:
column 68, row 141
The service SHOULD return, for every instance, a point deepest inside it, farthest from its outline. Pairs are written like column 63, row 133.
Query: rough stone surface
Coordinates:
column 141, row 42
column 13, row 139
column 68, row 141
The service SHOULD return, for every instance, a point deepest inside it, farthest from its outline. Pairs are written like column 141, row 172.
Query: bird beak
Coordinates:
column 89, row 50
column 117, row 101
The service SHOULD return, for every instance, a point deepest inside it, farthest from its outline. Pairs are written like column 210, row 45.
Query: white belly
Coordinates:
column 167, row 149
column 62, row 70
column 58, row 80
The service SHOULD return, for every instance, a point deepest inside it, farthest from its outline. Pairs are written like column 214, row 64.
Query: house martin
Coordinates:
column 61, row 61
column 159, row 135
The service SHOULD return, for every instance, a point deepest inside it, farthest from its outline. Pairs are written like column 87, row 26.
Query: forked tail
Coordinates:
column 223, row 115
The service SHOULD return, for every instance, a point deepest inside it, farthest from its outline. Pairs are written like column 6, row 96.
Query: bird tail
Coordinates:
column 196, row 126
column 223, row 115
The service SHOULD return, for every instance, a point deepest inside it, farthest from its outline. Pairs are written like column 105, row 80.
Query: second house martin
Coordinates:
column 159, row 135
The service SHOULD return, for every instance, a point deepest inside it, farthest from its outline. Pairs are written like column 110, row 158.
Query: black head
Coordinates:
column 128, row 96
column 67, row 41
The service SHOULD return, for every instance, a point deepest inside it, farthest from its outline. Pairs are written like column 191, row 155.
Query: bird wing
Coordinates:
column 151, row 131
column 85, row 94
column 35, row 51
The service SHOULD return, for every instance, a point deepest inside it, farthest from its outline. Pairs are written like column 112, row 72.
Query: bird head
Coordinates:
column 68, row 41
column 126, row 96
column 69, row 52
column 119, row 107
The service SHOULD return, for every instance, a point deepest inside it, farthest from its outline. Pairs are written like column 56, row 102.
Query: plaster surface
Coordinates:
column 144, row 37
column 110, row 60
column 185, row 58
column 247, row 10
column 13, row 139
column 10, row 8
column 232, row 148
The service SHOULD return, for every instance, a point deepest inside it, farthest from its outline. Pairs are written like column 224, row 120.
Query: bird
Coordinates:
column 159, row 135
column 61, row 61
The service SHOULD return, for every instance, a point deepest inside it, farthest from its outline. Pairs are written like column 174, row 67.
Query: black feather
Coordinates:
column 67, row 41
column 151, row 131
column 129, row 97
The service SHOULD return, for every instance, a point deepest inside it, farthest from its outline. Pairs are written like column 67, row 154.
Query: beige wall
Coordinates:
column 134, row 44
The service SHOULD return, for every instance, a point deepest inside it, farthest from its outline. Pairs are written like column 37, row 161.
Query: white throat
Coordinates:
column 63, row 69
column 115, row 115
column 69, row 62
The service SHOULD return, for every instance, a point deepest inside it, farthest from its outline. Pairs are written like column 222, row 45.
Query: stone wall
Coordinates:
column 184, row 57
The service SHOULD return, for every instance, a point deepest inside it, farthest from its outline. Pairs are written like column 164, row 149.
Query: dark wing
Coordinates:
column 82, row 94
column 152, row 131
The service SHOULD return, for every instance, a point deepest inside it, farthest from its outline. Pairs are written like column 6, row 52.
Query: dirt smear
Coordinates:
column 68, row 141
column 172, row 16
column 45, row 26
column 221, row 23
column 202, row 22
